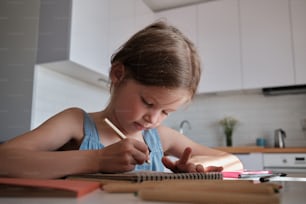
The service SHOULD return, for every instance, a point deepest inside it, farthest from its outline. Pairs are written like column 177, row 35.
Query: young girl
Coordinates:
column 153, row 74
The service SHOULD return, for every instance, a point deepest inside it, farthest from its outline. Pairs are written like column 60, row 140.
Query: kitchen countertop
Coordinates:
column 252, row 149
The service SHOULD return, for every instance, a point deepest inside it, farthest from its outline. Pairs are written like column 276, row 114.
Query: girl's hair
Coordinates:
column 160, row 55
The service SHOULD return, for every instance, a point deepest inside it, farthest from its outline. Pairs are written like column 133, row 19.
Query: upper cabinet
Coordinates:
column 100, row 27
column 143, row 15
column 298, row 11
column 184, row 18
column 219, row 46
column 243, row 44
column 121, row 25
column 89, row 34
column 126, row 18
column 266, row 43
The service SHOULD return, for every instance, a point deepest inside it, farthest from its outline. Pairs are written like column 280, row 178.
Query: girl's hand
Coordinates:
column 182, row 164
column 122, row 156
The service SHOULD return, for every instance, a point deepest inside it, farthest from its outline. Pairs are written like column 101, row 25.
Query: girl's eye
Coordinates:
column 146, row 102
column 165, row 113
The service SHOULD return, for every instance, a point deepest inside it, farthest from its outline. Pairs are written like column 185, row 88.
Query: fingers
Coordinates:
column 123, row 156
column 213, row 169
column 169, row 164
column 137, row 150
column 199, row 168
column 185, row 156
column 183, row 164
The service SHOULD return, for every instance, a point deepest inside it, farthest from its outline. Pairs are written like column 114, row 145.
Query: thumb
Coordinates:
column 168, row 163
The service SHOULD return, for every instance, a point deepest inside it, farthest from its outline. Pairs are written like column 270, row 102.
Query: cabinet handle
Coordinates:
column 284, row 161
column 300, row 160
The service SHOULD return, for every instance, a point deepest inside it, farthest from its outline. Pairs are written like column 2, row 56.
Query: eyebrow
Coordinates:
column 160, row 105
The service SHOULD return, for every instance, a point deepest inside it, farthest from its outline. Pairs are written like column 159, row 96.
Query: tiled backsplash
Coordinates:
column 258, row 115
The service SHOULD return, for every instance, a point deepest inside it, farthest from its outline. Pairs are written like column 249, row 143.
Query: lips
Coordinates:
column 140, row 126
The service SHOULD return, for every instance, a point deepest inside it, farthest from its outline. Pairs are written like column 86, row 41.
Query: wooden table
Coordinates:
column 293, row 192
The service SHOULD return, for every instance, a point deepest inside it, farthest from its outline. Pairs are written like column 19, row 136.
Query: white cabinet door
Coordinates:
column 219, row 46
column 89, row 34
column 183, row 18
column 121, row 23
column 143, row 15
column 126, row 18
column 267, row 58
column 284, row 160
column 251, row 161
column 298, row 12
column 120, row 30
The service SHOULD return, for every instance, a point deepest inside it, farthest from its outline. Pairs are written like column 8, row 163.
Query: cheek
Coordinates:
column 162, row 118
column 129, row 109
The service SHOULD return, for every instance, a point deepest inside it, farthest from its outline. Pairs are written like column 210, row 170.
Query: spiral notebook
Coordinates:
column 152, row 176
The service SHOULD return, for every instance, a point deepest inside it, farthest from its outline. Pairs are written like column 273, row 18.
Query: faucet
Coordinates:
column 182, row 126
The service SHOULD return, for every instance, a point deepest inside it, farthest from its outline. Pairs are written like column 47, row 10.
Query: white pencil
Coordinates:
column 120, row 134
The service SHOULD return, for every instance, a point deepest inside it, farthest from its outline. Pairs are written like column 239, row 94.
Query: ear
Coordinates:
column 117, row 73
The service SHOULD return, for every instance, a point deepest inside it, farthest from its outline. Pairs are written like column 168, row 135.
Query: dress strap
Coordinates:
column 91, row 136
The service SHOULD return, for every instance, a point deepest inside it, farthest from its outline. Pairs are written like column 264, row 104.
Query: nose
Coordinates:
column 152, row 117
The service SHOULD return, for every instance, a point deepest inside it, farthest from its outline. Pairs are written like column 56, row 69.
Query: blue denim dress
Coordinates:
column 91, row 141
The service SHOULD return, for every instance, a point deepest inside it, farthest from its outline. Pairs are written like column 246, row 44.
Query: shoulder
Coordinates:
column 68, row 122
column 71, row 115
column 74, row 111
column 164, row 130
column 169, row 137
column 53, row 133
column 174, row 143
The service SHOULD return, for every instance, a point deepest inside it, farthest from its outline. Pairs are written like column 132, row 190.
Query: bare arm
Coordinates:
column 46, row 164
column 118, row 157
column 175, row 144
column 34, row 154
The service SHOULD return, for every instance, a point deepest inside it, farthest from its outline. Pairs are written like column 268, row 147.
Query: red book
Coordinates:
column 24, row 187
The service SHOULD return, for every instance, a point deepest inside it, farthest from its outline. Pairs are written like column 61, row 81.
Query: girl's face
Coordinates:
column 138, row 107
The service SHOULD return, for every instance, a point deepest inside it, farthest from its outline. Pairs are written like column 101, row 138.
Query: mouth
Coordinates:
column 140, row 126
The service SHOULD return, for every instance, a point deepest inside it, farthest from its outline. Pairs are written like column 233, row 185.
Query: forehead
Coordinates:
column 163, row 95
column 166, row 96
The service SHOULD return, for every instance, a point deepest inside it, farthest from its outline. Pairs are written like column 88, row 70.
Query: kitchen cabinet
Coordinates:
column 120, row 30
column 100, row 27
column 247, row 44
column 243, row 44
column 184, row 18
column 267, row 57
column 298, row 12
column 126, row 19
column 286, row 162
column 251, row 161
column 89, row 34
column 143, row 15
column 219, row 46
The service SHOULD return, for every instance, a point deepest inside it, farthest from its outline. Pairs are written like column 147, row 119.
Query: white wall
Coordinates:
column 259, row 116
column 54, row 92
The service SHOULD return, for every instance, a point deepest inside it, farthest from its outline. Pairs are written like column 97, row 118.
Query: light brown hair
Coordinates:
column 160, row 55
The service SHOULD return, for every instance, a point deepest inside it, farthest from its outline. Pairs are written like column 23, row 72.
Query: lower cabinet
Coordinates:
column 285, row 162
column 251, row 161
column 278, row 162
